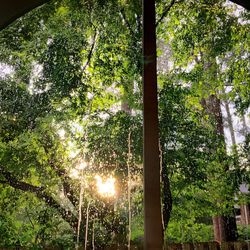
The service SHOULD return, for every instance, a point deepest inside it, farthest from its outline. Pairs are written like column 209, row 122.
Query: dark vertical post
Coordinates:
column 153, row 234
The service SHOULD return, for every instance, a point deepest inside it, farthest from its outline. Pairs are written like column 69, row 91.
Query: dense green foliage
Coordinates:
column 74, row 93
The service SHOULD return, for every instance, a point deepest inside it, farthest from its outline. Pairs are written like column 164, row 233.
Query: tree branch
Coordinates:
column 127, row 22
column 90, row 51
column 40, row 193
column 165, row 12
column 138, row 21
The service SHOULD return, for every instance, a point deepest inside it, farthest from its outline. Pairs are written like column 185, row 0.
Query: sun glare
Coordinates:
column 105, row 188
column 74, row 173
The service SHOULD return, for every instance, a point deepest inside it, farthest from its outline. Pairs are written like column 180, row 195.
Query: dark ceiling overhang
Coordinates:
column 244, row 3
column 10, row 10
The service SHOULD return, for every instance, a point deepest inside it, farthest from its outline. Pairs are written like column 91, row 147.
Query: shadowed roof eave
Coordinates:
column 12, row 9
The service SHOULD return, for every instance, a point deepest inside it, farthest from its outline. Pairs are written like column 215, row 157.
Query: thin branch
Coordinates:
column 127, row 22
column 138, row 21
column 134, row 33
column 90, row 51
column 165, row 12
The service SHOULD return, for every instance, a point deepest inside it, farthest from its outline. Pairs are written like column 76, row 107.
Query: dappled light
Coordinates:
column 72, row 127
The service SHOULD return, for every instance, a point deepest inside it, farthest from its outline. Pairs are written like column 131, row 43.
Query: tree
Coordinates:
column 200, row 44
column 69, row 85
column 55, row 89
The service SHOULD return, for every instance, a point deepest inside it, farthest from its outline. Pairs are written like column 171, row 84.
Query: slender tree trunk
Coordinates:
column 225, row 228
column 87, row 227
column 93, row 235
column 79, row 212
column 129, row 188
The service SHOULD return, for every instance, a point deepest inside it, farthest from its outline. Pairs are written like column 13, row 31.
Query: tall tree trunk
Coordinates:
column 129, row 159
column 225, row 228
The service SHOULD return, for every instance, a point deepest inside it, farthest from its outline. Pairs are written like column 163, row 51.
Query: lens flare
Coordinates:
column 105, row 188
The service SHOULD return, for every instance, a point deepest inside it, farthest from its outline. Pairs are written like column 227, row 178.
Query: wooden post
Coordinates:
column 153, row 233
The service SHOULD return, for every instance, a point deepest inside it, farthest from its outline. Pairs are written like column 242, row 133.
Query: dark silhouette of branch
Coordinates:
column 134, row 32
column 40, row 192
column 138, row 21
column 165, row 12
column 127, row 22
column 90, row 51
column 12, row 181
